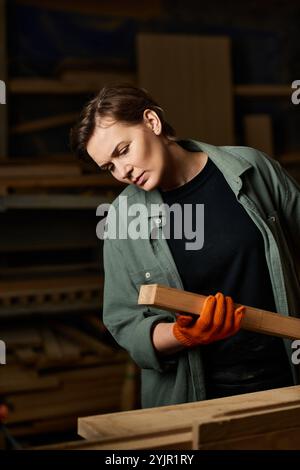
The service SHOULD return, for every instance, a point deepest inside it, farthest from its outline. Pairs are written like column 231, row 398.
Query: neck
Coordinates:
column 181, row 166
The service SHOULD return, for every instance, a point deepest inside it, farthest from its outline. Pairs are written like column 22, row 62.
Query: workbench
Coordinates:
column 261, row 421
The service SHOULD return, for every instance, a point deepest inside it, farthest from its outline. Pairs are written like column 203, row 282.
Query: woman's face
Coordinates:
column 134, row 154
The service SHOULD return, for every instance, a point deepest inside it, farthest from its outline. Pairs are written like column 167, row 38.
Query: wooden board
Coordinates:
column 274, row 429
column 263, row 90
column 13, row 170
column 41, row 85
column 44, row 123
column 171, row 426
column 99, row 181
column 258, row 132
column 190, row 77
column 260, row 321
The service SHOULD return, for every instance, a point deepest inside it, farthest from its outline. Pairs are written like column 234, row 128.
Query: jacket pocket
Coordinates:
column 152, row 275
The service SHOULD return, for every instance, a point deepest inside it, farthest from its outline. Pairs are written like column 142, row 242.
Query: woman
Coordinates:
column 252, row 232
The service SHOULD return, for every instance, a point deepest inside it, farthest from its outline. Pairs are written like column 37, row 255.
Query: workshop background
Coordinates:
column 223, row 71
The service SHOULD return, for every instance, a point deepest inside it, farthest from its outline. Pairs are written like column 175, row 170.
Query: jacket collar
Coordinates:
column 230, row 164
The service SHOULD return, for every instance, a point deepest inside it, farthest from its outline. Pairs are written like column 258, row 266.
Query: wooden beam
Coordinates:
column 277, row 428
column 258, row 320
column 173, row 426
column 118, row 8
column 42, row 85
column 44, row 123
column 28, row 170
column 258, row 132
column 194, row 84
column 100, row 181
column 264, row 91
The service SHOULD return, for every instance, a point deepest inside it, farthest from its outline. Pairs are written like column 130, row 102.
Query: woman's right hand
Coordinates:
column 218, row 319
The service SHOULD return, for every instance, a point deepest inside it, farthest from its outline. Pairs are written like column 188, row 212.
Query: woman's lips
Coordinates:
column 141, row 179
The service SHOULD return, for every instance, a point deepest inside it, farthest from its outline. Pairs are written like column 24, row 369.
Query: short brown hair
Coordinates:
column 124, row 103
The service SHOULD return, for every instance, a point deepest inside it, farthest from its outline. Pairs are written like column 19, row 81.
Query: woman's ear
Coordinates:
column 152, row 121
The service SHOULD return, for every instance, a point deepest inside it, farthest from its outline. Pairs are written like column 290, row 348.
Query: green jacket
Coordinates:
column 271, row 198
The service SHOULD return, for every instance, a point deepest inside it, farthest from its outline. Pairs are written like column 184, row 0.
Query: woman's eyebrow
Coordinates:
column 115, row 150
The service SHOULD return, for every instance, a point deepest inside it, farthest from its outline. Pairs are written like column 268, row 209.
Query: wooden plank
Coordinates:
column 194, row 86
column 63, row 424
column 36, row 406
column 16, row 379
column 265, row 430
column 130, row 395
column 264, row 91
column 26, row 356
column 90, row 374
column 119, row 8
column 51, row 345
column 3, row 77
column 19, row 384
column 24, row 271
column 53, row 201
column 167, row 441
column 41, row 85
column 258, row 132
column 60, row 284
column 20, row 336
column 258, row 320
column 44, row 123
column 78, row 307
column 82, row 338
column 99, row 181
column 39, row 169
column 181, row 417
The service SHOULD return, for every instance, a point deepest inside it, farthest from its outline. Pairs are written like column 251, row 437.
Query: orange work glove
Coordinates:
column 218, row 319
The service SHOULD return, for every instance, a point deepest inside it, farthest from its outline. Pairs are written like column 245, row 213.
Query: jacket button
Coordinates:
column 158, row 221
column 272, row 218
column 147, row 275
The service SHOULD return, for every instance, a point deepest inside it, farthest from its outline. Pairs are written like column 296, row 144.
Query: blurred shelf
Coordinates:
column 28, row 169
column 54, row 308
column 52, row 201
column 44, row 123
column 51, row 295
column 79, row 85
column 101, row 181
column 265, row 91
column 42, row 270
column 34, row 286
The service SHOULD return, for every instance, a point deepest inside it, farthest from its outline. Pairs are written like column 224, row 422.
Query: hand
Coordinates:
column 218, row 319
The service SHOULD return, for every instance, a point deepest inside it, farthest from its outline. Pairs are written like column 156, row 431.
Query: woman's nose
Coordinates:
column 124, row 170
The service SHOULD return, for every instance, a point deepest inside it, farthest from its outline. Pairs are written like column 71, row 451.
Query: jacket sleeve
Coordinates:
column 129, row 323
column 291, row 213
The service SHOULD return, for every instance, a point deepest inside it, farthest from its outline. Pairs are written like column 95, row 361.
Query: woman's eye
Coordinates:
column 124, row 150
column 107, row 167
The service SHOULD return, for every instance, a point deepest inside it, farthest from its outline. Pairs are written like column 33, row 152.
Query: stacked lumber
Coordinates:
column 57, row 371
column 53, row 293
column 267, row 420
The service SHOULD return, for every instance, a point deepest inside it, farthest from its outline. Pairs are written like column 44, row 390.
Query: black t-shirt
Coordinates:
column 232, row 261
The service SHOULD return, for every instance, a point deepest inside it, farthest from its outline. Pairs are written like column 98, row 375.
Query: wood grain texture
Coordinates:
column 260, row 321
column 258, row 132
column 231, row 422
column 278, row 428
column 190, row 77
column 179, row 418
